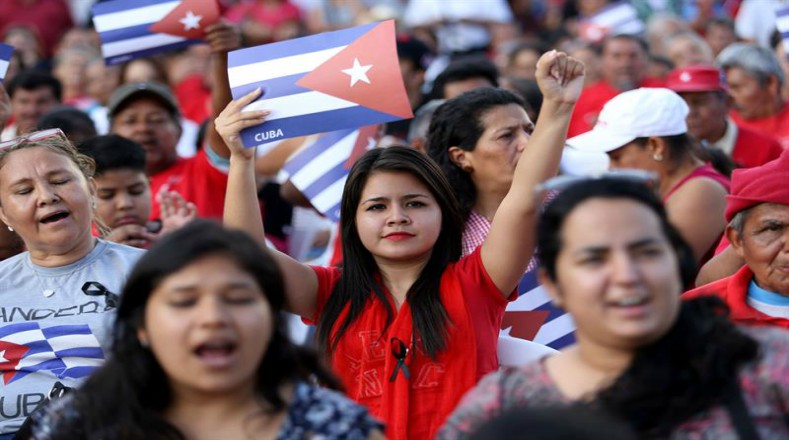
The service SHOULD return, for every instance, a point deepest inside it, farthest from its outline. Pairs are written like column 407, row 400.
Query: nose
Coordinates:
column 47, row 195
column 397, row 215
column 624, row 271
column 211, row 312
column 124, row 202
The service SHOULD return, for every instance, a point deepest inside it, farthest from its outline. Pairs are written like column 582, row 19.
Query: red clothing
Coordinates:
column 734, row 291
column 272, row 17
column 591, row 102
column 415, row 408
column 776, row 125
column 197, row 180
column 752, row 148
column 48, row 18
column 194, row 98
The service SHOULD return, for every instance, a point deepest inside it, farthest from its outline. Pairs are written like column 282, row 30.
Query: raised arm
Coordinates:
column 510, row 243
column 241, row 204
column 223, row 37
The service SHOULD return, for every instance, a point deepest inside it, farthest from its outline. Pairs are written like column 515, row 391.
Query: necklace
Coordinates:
column 48, row 292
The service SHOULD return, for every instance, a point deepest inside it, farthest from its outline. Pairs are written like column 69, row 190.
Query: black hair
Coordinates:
column 683, row 145
column 686, row 370
column 629, row 37
column 76, row 124
column 127, row 396
column 468, row 67
column 576, row 422
column 683, row 373
column 32, row 80
column 537, row 47
column 551, row 221
column 458, row 123
column 359, row 269
column 113, row 152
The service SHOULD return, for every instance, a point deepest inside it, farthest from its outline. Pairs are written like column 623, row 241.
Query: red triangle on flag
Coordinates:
column 366, row 72
column 189, row 19
column 365, row 140
column 10, row 355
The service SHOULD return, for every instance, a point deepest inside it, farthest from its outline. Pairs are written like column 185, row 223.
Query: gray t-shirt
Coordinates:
column 55, row 324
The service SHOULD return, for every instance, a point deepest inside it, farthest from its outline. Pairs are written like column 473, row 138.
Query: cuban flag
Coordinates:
column 320, row 170
column 616, row 18
column 321, row 83
column 138, row 28
column 533, row 316
column 782, row 24
column 64, row 351
column 5, row 57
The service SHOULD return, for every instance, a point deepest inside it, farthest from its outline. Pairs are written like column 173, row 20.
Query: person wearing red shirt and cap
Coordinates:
column 758, row 216
column 704, row 90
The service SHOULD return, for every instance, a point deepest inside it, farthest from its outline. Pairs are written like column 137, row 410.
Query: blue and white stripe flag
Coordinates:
column 617, row 18
column 124, row 29
column 64, row 351
column 321, row 83
column 319, row 171
column 782, row 24
column 5, row 58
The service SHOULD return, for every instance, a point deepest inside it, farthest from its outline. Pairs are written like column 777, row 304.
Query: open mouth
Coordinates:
column 216, row 354
column 54, row 217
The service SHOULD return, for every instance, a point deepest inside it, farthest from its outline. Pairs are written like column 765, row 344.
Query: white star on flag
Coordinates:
column 358, row 72
column 191, row 21
column 2, row 357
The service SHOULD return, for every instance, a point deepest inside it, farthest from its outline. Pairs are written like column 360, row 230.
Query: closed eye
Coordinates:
column 415, row 204
column 376, row 207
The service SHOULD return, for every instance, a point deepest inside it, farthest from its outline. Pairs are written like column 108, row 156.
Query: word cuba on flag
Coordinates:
column 321, row 83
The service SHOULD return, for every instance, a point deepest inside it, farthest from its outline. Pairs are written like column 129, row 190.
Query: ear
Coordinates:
column 656, row 145
column 735, row 241
column 461, row 158
column 550, row 286
column 142, row 336
column 92, row 186
column 773, row 85
column 2, row 215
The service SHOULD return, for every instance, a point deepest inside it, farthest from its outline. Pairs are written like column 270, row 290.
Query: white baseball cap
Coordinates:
column 630, row 115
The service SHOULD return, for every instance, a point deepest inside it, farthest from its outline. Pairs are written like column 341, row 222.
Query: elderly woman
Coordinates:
column 57, row 298
column 670, row 369
column 646, row 129
column 758, row 216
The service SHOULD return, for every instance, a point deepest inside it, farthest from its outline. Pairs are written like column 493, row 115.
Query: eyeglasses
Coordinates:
column 564, row 181
column 400, row 352
column 34, row 137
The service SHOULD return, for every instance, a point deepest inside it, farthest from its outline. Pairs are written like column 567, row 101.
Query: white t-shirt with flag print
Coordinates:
column 55, row 324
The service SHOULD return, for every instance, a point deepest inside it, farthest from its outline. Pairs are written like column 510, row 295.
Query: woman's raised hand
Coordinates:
column 560, row 77
column 232, row 120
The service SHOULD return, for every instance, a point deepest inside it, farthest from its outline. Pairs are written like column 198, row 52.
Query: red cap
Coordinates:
column 763, row 184
column 696, row 79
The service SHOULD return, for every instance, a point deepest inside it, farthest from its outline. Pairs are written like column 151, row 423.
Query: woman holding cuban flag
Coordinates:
column 406, row 323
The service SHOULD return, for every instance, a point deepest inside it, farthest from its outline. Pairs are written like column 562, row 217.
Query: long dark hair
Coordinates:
column 126, row 397
column 685, row 371
column 359, row 269
column 458, row 123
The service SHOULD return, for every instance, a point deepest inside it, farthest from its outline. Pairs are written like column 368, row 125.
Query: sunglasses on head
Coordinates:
column 34, row 137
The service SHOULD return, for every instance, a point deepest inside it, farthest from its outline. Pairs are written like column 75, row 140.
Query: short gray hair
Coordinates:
column 738, row 221
column 758, row 62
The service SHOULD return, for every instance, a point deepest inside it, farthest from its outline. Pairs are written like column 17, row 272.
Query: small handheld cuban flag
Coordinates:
column 319, row 171
column 782, row 24
column 64, row 351
column 137, row 28
column 534, row 317
column 5, row 58
column 617, row 18
column 321, row 83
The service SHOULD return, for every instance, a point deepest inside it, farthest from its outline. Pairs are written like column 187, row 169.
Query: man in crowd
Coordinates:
column 624, row 67
column 704, row 91
column 758, row 215
column 32, row 93
column 754, row 79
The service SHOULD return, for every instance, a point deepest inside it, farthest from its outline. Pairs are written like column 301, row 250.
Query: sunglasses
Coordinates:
column 565, row 181
column 34, row 137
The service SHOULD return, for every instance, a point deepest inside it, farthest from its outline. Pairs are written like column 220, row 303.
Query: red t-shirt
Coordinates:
column 197, row 180
column 49, row 19
column 591, row 102
column 268, row 15
column 194, row 98
column 776, row 125
column 753, row 149
column 416, row 408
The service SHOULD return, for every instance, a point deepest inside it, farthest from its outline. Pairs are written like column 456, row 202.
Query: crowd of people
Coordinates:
column 605, row 210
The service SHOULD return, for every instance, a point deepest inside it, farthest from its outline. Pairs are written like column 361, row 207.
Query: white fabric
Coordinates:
column 515, row 352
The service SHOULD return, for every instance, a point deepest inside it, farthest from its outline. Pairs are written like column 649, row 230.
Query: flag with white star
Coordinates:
column 332, row 81
column 138, row 28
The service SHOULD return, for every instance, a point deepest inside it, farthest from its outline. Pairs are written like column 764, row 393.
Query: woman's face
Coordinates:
column 47, row 200
column 507, row 129
column 209, row 326
column 398, row 219
column 632, row 155
column 616, row 274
